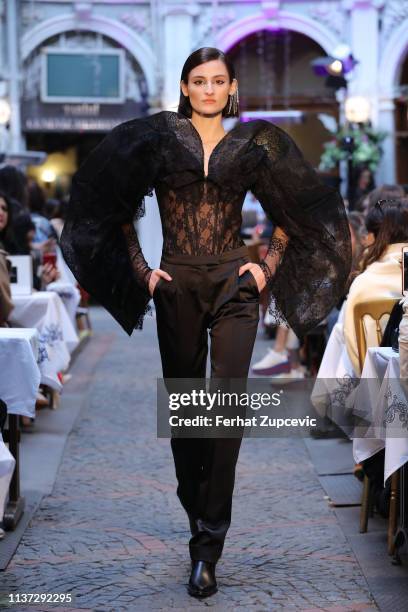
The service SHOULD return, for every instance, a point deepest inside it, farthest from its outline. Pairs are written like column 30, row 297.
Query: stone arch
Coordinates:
column 238, row 30
column 391, row 61
column 112, row 28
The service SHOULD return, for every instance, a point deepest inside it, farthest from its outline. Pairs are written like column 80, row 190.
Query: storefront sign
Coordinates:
column 43, row 117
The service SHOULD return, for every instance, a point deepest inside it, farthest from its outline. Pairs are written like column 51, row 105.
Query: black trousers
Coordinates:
column 206, row 293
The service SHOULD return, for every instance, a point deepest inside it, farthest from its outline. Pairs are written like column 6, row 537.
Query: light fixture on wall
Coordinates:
column 357, row 109
column 48, row 176
column 335, row 66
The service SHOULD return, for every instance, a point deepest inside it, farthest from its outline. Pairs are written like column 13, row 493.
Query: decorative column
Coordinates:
column 2, row 37
column 13, row 77
column 386, row 121
column 3, row 82
column 364, row 42
column 178, row 25
column 393, row 49
column 365, row 45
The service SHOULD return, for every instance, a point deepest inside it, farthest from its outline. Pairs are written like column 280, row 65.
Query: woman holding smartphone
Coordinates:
column 206, row 280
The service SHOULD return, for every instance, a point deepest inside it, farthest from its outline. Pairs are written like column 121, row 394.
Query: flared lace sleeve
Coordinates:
column 309, row 255
column 98, row 241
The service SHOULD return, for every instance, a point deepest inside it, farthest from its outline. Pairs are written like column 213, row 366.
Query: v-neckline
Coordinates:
column 197, row 134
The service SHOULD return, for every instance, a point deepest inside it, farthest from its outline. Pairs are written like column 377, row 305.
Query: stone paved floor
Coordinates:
column 114, row 535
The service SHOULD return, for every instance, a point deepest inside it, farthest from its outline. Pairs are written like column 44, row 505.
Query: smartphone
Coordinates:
column 405, row 270
column 50, row 258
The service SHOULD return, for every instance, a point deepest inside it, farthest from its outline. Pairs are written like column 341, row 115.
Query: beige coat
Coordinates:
column 6, row 305
column 383, row 278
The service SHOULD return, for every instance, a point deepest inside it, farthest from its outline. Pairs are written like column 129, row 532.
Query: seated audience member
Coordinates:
column 373, row 467
column 358, row 234
column 44, row 273
column 24, row 231
column 7, row 239
column 13, row 182
column 378, row 275
column 380, row 270
column 362, row 182
column 36, row 204
column 384, row 192
column 55, row 211
column 6, row 304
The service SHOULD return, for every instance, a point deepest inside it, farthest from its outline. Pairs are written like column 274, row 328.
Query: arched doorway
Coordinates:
column 58, row 118
column 274, row 74
column 393, row 85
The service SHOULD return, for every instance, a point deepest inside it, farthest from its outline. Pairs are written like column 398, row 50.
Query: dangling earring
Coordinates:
column 233, row 103
column 229, row 104
column 236, row 103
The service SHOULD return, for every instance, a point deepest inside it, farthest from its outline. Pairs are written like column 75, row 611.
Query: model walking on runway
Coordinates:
column 206, row 280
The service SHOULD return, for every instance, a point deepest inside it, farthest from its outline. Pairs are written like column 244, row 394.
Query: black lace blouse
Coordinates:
column 309, row 255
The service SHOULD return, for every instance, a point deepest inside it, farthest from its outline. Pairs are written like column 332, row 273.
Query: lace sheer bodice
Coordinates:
column 309, row 253
column 199, row 220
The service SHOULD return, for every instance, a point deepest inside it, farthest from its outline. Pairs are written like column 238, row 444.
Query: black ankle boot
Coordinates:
column 202, row 581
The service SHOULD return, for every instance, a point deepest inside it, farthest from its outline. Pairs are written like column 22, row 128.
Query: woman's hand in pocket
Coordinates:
column 156, row 274
column 257, row 273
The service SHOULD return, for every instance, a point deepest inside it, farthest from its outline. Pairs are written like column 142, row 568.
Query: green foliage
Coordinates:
column 367, row 147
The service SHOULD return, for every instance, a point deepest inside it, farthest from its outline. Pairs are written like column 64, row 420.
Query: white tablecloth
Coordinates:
column 66, row 274
column 19, row 371
column 45, row 311
column 69, row 295
column 382, row 400
column 336, row 382
column 66, row 287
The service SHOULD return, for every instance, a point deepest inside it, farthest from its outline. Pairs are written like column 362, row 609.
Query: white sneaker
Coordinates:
column 292, row 376
column 273, row 363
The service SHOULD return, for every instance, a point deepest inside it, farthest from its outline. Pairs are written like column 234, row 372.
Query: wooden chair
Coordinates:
column 376, row 309
column 14, row 507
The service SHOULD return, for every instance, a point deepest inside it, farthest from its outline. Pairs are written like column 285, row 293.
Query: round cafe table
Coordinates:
column 19, row 381
column 45, row 311
column 381, row 399
column 19, row 372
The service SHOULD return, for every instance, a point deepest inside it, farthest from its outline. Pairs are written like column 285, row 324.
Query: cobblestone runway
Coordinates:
column 114, row 535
